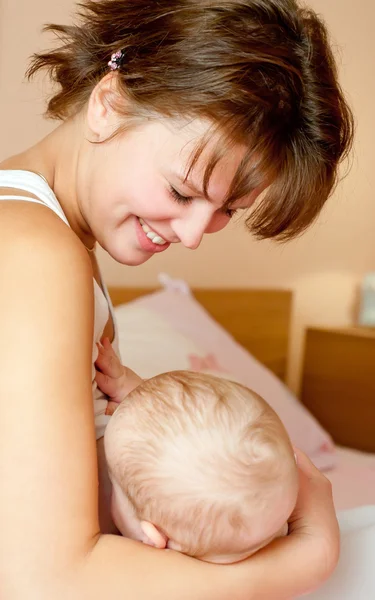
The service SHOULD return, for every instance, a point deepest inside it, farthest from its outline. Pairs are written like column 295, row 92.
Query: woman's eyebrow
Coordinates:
column 192, row 187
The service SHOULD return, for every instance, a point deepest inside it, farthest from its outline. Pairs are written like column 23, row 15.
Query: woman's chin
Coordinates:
column 130, row 258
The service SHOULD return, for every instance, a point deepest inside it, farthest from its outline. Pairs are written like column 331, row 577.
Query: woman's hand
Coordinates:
column 299, row 563
column 314, row 516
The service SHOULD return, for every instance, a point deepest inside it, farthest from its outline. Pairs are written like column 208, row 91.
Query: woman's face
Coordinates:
column 133, row 196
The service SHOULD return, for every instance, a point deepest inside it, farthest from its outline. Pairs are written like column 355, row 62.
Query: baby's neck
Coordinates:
column 105, row 492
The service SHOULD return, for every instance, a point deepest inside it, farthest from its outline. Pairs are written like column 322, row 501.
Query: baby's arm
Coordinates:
column 112, row 377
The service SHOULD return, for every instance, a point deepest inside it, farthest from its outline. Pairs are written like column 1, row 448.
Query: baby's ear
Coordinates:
column 152, row 536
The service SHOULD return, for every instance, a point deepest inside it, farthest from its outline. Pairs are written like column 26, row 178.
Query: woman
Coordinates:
column 174, row 116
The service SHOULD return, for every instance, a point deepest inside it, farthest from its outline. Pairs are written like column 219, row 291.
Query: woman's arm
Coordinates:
column 48, row 512
column 287, row 568
column 50, row 545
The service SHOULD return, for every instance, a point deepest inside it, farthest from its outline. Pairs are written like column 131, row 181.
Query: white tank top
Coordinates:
column 38, row 186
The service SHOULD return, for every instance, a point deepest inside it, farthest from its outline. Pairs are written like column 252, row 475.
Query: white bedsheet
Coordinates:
column 353, row 479
column 354, row 578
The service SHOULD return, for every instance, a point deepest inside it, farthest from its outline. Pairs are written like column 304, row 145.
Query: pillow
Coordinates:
column 149, row 345
column 169, row 330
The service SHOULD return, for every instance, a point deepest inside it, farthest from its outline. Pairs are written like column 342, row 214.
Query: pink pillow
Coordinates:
column 223, row 354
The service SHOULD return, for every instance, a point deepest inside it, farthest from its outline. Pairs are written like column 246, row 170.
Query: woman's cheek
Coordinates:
column 218, row 222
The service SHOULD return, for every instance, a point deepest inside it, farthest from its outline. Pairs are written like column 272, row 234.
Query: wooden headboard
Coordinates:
column 257, row 319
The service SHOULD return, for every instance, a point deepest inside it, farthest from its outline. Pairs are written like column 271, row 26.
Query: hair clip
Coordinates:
column 116, row 60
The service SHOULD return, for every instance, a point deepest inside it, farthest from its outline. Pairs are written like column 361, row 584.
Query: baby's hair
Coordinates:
column 199, row 457
column 261, row 71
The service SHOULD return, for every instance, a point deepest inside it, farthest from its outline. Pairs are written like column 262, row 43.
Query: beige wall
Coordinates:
column 325, row 266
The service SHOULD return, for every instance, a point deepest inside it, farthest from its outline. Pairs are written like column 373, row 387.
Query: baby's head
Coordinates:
column 201, row 465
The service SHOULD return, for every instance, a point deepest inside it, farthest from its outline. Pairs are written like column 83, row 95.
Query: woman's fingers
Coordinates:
column 314, row 516
column 312, row 483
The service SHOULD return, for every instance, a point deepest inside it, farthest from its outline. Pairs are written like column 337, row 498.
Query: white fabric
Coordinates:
column 148, row 345
column 36, row 185
column 354, row 578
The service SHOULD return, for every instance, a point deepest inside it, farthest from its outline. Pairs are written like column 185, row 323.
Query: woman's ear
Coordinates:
column 102, row 118
column 152, row 536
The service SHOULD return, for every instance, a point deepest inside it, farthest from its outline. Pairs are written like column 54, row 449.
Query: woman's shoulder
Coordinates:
column 34, row 223
column 38, row 249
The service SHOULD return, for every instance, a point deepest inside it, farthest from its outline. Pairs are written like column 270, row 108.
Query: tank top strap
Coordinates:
column 35, row 184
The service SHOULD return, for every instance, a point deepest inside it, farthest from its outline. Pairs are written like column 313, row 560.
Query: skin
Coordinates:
column 50, row 543
column 117, row 381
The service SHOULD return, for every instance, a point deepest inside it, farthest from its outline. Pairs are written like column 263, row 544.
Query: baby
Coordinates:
column 198, row 464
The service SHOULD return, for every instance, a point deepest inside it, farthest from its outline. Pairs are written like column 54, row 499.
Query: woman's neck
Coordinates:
column 56, row 158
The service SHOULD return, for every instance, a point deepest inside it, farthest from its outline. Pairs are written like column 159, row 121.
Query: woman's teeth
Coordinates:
column 154, row 237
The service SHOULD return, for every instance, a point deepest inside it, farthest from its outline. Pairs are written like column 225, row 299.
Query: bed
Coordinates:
column 239, row 332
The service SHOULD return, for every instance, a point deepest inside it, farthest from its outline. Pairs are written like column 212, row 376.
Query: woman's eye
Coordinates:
column 179, row 197
column 229, row 212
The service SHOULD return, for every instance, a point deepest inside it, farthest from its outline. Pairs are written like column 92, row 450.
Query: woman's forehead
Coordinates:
column 221, row 179
column 199, row 152
column 187, row 147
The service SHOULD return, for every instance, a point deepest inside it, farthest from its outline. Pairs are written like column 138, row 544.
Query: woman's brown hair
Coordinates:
column 262, row 71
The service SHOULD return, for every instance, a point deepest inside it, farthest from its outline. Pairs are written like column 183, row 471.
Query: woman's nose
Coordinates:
column 190, row 235
column 191, row 228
